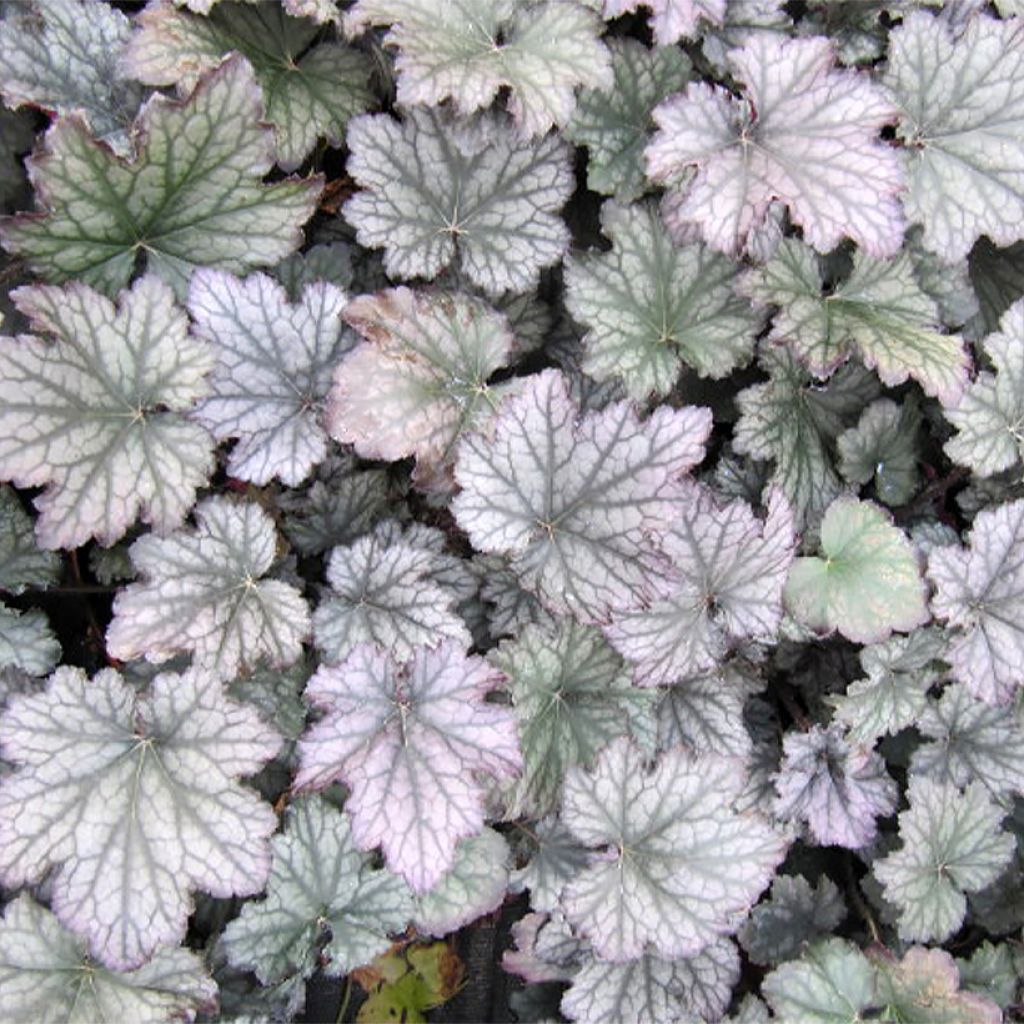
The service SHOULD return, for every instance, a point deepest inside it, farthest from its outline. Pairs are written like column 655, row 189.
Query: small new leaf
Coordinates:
column 23, row 563
column 26, row 641
column 882, row 449
column 671, row 20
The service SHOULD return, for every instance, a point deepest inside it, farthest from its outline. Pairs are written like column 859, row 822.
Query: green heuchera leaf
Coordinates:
column 952, row 845
column 868, row 582
column 652, row 307
column 404, row 984
column 26, row 641
column 572, row 695
column 997, row 275
column 310, row 88
column 326, row 906
column 46, row 974
column 466, row 50
column 880, row 313
column 990, row 971
column 191, row 195
column 555, row 858
column 705, row 713
column 23, row 563
column 614, row 122
column 882, row 449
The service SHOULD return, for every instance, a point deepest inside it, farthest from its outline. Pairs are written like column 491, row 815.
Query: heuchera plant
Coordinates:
column 512, row 510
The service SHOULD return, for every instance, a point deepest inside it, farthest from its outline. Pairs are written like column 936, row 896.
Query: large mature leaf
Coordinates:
column 192, row 195
column 133, row 801
column 438, row 193
column 310, row 88
column 572, row 694
column 63, row 56
column 419, row 377
column 574, row 501
column 46, row 974
column 202, row 591
column 683, row 866
column 411, row 742
column 882, row 449
column 979, row 589
column 466, row 50
column 23, row 563
column 386, row 591
column 273, row 370
column 729, row 571
column 952, row 844
column 803, row 132
column 671, row 20
column 879, row 313
column 97, row 414
column 840, row 791
column 867, row 582
column 962, row 118
column 326, row 907
column 614, row 123
column 26, row 641
column 652, row 307
column 989, row 417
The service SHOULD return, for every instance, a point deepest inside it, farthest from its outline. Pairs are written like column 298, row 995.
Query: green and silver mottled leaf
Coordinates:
column 64, row 56
column 555, row 858
column 274, row 364
column 671, row 829
column 329, row 261
column 652, row 307
column 882, row 450
column 997, row 276
column 132, row 800
column 46, row 974
column 705, row 714
column 418, row 379
column 867, row 582
column 327, row 908
column 26, row 641
column 98, row 414
column 990, row 971
column 614, row 123
column 952, row 845
column 310, row 88
column 961, row 102
column 203, row 592
column 467, row 50
column 576, row 501
column 438, row 194
column 192, row 194
column 572, row 695
column 880, row 313
column 23, row 564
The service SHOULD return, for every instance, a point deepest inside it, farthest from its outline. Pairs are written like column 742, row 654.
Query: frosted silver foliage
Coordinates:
column 882, row 449
column 26, row 641
column 840, row 791
column 675, row 866
column 385, row 591
column 192, row 192
column 419, row 377
column 98, row 413
column 652, row 307
column 412, row 742
column 803, row 132
column 577, row 502
column 705, row 713
column 23, row 563
column 466, row 50
column 132, row 800
column 46, row 974
column 952, row 845
column 555, row 858
column 62, row 56
column 989, row 417
column 961, row 99
column 572, row 695
column 273, row 370
column 672, row 20
column 202, row 592
column 326, row 906
column 437, row 194
column 978, row 592
column 729, row 568
column 879, row 312
column 310, row 88
column 614, row 122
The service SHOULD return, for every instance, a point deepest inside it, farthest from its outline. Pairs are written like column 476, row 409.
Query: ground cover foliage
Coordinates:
column 512, row 510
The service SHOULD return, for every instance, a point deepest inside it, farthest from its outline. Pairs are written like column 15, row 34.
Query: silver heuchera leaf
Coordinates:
column 202, row 591
column 705, row 713
column 273, row 370
column 676, row 867
column 46, row 974
column 555, row 858
column 98, row 414
column 411, row 742
column 577, row 502
column 132, row 800
column 671, row 20
column 26, row 641
column 320, row 887
column 23, row 563
column 838, row 790
column 815, row 130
